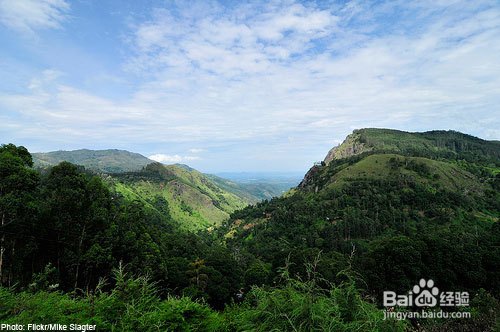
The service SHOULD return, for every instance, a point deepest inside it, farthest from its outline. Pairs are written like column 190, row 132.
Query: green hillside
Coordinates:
column 441, row 159
column 431, row 173
column 194, row 201
column 109, row 161
column 197, row 199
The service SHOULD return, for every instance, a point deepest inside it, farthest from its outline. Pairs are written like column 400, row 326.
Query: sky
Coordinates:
column 243, row 86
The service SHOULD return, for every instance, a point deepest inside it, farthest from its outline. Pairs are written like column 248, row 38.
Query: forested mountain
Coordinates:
column 109, row 161
column 449, row 145
column 384, row 210
column 395, row 206
column 66, row 228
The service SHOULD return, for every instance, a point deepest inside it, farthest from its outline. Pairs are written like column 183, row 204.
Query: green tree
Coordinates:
column 77, row 210
column 17, row 205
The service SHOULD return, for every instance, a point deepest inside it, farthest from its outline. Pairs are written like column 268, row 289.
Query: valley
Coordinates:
column 384, row 209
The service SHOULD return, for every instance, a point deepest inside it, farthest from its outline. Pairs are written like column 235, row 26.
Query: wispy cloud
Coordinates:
column 166, row 159
column 26, row 16
column 196, row 150
column 246, row 40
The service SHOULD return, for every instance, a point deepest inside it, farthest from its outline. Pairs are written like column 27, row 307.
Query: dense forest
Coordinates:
column 73, row 249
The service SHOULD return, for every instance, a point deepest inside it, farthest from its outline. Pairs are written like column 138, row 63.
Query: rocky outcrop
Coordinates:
column 310, row 177
column 351, row 146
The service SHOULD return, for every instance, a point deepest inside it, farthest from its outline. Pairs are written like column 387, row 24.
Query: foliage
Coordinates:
column 410, row 210
column 303, row 305
column 18, row 190
column 132, row 305
column 65, row 230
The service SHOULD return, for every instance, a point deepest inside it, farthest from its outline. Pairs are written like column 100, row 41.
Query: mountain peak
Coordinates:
column 439, row 143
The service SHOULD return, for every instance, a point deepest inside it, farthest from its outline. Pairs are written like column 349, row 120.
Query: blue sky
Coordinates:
column 243, row 86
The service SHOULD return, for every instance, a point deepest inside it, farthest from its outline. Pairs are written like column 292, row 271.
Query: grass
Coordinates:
column 377, row 167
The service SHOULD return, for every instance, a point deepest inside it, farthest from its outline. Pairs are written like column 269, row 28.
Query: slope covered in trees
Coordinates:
column 193, row 199
column 74, row 252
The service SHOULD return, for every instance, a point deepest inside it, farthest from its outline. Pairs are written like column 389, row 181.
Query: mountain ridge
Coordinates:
column 433, row 145
column 108, row 160
column 443, row 143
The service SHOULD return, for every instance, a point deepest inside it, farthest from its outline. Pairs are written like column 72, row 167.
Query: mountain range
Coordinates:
column 384, row 210
column 190, row 198
column 198, row 200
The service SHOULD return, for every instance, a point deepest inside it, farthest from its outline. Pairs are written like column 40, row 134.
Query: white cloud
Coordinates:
column 26, row 16
column 164, row 158
column 47, row 76
column 229, row 45
column 196, row 150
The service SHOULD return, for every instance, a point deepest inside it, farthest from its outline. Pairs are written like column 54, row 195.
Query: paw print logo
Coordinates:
column 426, row 293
